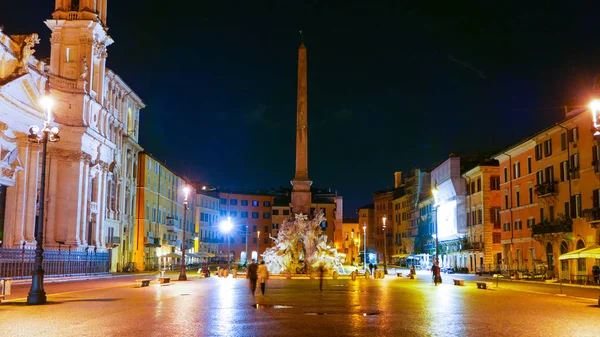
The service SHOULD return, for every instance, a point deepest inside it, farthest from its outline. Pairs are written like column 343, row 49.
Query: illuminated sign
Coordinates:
column 446, row 220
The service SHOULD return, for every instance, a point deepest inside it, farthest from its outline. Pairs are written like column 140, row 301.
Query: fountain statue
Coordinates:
column 302, row 248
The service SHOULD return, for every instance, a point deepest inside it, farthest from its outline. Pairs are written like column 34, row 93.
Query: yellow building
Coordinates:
column 352, row 241
column 160, row 220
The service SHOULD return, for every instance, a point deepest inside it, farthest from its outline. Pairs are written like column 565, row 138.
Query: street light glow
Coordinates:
column 226, row 225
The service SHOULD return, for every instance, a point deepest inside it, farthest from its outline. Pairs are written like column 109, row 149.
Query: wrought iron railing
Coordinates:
column 19, row 262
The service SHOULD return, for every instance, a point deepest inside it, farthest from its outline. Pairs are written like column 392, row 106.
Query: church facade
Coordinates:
column 91, row 172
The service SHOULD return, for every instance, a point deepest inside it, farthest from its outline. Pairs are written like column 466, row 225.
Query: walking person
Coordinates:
column 252, row 275
column 263, row 276
column 435, row 270
column 371, row 268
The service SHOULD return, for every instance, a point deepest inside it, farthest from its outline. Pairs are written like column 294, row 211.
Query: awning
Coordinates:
column 172, row 255
column 400, row 256
column 592, row 252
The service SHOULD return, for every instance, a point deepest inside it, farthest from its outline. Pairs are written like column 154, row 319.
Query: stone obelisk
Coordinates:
column 301, row 197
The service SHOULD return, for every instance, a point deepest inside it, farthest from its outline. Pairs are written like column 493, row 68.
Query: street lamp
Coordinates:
column 434, row 192
column 226, row 228
column 246, row 237
column 37, row 295
column 384, row 219
column 365, row 256
column 257, row 243
column 182, row 275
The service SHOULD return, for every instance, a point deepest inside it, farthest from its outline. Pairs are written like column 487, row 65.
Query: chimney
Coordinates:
column 397, row 179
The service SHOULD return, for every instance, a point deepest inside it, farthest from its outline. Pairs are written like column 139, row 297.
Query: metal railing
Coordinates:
column 19, row 262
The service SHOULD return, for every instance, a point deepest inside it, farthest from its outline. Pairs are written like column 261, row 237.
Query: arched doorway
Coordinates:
column 581, row 264
column 564, row 264
column 550, row 260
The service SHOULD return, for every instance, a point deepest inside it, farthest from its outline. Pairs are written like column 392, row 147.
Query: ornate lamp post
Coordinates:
column 384, row 219
column 226, row 228
column 365, row 246
column 434, row 192
column 595, row 108
column 182, row 274
column 257, row 243
column 37, row 295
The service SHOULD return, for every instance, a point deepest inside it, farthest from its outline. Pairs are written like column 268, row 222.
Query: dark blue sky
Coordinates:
column 390, row 86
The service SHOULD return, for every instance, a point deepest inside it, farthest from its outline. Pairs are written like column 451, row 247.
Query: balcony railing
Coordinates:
column 94, row 207
column 546, row 189
column 592, row 215
column 472, row 246
column 152, row 242
column 212, row 240
column 172, row 228
column 174, row 243
column 563, row 226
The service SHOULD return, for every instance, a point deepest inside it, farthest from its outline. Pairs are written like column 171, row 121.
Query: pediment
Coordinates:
column 22, row 92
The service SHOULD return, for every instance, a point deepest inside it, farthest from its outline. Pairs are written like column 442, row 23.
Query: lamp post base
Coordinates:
column 37, row 295
column 182, row 277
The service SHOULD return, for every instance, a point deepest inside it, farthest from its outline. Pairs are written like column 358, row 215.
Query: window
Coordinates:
column 518, row 198
column 254, row 215
column 548, row 148
column 529, row 166
column 506, row 227
column 542, row 217
column 538, row 152
column 575, row 165
column 68, row 55
column 530, row 222
column 576, row 206
column 567, row 210
column 516, row 170
column 506, row 174
column 266, row 229
column 495, row 183
column 473, row 187
column 275, row 212
column 266, row 215
column 574, row 134
column 244, row 202
column 243, row 214
column 255, row 203
column 254, row 228
column 479, row 184
column 479, row 216
column 233, row 202
column 549, row 173
column 518, row 225
column 564, row 171
column 551, row 212
column 531, row 195
column 267, row 204
column 324, row 225
column 468, row 219
column 223, row 201
column 496, row 237
column 286, row 212
column 595, row 158
column 467, row 188
column 506, row 202
column 539, row 177
column 563, row 141
column 495, row 216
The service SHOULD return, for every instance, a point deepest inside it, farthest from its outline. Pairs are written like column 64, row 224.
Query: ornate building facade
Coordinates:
column 91, row 171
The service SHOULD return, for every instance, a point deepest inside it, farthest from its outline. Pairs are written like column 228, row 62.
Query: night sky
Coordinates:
column 390, row 87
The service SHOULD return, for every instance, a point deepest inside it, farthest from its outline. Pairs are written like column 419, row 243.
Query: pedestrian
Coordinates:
column 371, row 268
column 435, row 270
column 252, row 275
column 321, row 274
column 263, row 276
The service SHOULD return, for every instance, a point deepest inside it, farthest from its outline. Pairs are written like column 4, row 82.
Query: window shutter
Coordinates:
column 573, row 207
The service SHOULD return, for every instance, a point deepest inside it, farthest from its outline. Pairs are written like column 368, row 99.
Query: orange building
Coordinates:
column 550, row 199
column 482, row 244
column 382, row 201
column 250, row 214
column 366, row 221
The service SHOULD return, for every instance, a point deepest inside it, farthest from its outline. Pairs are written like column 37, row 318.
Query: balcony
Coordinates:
column 212, row 240
column 172, row 228
column 112, row 241
column 152, row 242
column 546, row 189
column 174, row 242
column 558, row 225
column 592, row 216
column 472, row 246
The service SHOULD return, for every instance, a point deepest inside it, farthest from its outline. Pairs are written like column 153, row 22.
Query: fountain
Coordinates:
column 301, row 248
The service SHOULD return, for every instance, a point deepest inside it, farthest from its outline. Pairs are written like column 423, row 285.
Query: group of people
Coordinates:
column 257, row 273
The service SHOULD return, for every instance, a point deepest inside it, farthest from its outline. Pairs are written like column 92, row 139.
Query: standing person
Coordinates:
column 263, row 276
column 252, row 275
column 321, row 273
column 435, row 270
column 371, row 268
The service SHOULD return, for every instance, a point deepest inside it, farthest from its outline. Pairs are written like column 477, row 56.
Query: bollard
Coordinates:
column 335, row 275
column 288, row 275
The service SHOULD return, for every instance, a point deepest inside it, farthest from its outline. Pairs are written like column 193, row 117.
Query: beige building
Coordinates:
column 161, row 220
column 366, row 221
